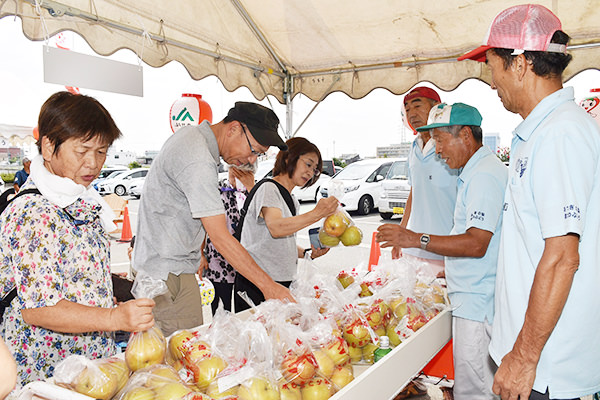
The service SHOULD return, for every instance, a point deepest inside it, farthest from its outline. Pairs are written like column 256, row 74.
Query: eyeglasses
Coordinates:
column 254, row 152
column 309, row 165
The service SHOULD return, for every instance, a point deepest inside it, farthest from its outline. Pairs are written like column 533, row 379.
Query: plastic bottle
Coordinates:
column 383, row 349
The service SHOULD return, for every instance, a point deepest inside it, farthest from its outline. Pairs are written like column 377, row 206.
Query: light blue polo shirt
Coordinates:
column 433, row 196
column 479, row 203
column 553, row 189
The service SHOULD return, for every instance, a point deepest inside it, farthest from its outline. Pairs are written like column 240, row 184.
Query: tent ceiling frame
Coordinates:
column 57, row 9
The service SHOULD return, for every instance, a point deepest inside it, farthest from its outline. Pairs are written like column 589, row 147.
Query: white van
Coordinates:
column 396, row 189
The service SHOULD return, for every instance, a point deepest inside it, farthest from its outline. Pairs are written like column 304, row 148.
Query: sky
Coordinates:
column 339, row 125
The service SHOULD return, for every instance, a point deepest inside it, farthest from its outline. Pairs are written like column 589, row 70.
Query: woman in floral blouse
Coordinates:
column 54, row 247
column 216, row 268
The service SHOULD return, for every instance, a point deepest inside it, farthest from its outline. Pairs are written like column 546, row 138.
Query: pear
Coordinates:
column 352, row 236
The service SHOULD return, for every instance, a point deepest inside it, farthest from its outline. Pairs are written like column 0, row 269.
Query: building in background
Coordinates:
column 11, row 154
column 492, row 140
column 399, row 150
column 350, row 158
column 120, row 157
column 148, row 157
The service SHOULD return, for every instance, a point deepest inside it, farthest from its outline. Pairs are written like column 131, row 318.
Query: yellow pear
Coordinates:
column 94, row 382
column 337, row 350
column 289, row 391
column 206, row 370
column 367, row 352
column 317, row 389
column 161, row 375
column 342, row 376
column 213, row 391
column 139, row 393
column 258, row 389
column 326, row 364
column 145, row 349
column 119, row 368
column 172, row 391
column 177, row 343
column 355, row 354
column 352, row 236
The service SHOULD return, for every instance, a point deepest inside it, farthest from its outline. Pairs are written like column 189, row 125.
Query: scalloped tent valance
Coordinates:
column 286, row 47
column 14, row 135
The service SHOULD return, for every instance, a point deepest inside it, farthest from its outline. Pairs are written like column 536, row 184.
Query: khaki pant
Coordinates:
column 181, row 306
column 474, row 369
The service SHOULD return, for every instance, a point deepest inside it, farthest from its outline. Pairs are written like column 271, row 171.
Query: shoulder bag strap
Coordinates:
column 284, row 193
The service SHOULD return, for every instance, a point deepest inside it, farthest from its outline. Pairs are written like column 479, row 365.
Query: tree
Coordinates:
column 134, row 164
column 339, row 163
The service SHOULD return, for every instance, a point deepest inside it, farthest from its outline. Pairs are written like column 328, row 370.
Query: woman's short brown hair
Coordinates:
column 66, row 116
column 287, row 160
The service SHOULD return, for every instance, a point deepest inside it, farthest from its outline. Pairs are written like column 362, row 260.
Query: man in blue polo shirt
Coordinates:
column 471, row 248
column 547, row 318
column 22, row 175
column 432, row 195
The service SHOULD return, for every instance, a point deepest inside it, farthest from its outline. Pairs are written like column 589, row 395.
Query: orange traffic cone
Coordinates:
column 375, row 252
column 126, row 234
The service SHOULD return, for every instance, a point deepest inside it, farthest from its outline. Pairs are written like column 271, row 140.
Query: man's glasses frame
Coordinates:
column 254, row 152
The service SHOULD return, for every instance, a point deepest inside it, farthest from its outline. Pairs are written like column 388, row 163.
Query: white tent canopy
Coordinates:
column 13, row 135
column 314, row 47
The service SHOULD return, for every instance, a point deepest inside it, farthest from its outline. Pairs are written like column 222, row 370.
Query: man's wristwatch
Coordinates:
column 424, row 241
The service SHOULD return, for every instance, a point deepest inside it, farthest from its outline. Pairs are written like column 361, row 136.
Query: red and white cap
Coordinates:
column 527, row 27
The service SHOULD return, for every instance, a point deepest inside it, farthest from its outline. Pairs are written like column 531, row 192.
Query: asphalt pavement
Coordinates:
column 338, row 258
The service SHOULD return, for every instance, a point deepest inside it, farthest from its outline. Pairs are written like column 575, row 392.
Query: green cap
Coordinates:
column 449, row 115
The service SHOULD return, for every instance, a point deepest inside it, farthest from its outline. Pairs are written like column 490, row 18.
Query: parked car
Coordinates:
column 121, row 183
column 329, row 168
column 135, row 189
column 107, row 172
column 359, row 184
column 396, row 189
column 264, row 169
column 311, row 193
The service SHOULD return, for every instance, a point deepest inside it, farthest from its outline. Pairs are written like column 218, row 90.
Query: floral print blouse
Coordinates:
column 219, row 270
column 50, row 254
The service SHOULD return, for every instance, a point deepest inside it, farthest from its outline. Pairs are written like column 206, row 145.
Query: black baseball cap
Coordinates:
column 261, row 121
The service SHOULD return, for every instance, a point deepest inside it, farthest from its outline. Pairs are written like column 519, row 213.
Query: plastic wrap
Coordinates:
column 100, row 379
column 340, row 228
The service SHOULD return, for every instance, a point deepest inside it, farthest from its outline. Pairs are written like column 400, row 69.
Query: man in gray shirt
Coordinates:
column 180, row 204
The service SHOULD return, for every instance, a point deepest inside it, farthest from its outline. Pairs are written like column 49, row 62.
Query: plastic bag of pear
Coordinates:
column 282, row 351
column 100, row 379
column 339, row 228
column 395, row 299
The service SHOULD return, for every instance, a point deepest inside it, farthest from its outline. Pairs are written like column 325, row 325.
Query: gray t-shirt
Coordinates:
column 278, row 257
column 181, row 187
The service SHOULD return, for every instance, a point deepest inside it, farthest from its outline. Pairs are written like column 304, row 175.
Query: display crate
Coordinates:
column 386, row 378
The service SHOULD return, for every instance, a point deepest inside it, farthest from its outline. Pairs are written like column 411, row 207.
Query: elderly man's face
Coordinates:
column 503, row 81
column 417, row 111
column 242, row 149
column 452, row 150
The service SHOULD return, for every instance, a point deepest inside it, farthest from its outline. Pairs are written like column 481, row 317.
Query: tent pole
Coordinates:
column 288, row 92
